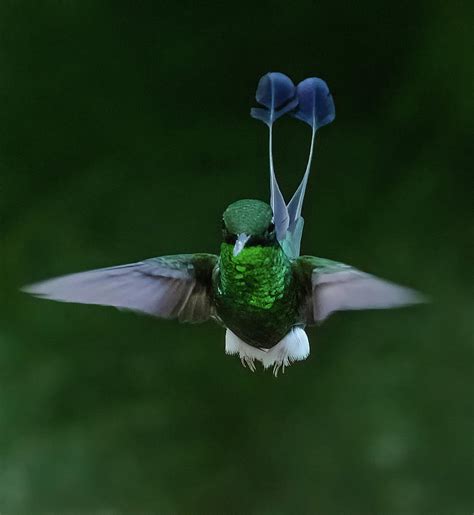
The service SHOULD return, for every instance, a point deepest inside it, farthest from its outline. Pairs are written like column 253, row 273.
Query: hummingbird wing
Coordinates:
column 331, row 286
column 169, row 287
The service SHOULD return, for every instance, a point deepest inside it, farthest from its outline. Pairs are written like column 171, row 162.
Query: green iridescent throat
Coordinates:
column 253, row 295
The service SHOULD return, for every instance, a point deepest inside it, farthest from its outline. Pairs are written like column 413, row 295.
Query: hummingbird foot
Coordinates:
column 248, row 362
column 247, row 353
column 293, row 347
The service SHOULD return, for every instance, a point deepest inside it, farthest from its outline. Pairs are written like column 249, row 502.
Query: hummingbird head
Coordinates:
column 248, row 223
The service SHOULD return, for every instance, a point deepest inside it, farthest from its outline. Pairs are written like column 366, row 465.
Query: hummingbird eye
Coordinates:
column 230, row 238
column 227, row 236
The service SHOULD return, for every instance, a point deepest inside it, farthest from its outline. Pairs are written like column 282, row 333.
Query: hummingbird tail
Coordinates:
column 311, row 102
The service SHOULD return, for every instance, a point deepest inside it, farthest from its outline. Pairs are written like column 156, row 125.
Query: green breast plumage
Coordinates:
column 253, row 294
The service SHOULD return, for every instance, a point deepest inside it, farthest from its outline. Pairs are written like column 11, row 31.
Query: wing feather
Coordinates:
column 333, row 286
column 168, row 287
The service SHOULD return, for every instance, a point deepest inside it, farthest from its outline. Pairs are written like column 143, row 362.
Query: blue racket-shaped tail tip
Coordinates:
column 315, row 103
column 277, row 93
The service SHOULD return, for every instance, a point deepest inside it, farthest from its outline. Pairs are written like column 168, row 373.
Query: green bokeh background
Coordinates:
column 124, row 134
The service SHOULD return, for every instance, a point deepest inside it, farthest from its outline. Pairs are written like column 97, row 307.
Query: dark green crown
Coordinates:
column 251, row 217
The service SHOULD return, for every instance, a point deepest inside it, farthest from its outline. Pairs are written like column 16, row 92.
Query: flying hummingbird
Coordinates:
column 258, row 287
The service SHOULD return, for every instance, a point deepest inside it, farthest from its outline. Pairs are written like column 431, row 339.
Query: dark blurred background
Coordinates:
column 124, row 133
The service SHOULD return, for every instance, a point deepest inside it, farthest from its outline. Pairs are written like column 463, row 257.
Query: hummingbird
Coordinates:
column 258, row 287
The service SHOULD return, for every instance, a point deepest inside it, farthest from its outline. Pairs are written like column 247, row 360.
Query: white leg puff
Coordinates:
column 293, row 347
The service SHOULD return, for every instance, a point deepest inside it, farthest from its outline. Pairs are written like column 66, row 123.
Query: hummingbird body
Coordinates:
column 258, row 287
column 254, row 294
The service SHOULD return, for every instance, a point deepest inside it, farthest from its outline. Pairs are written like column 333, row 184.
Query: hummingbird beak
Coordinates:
column 242, row 239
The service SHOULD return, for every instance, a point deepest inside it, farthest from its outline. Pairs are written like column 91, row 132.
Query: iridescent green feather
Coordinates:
column 254, row 294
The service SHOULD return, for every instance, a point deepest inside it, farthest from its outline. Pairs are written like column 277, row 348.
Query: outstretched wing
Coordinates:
column 168, row 287
column 330, row 286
